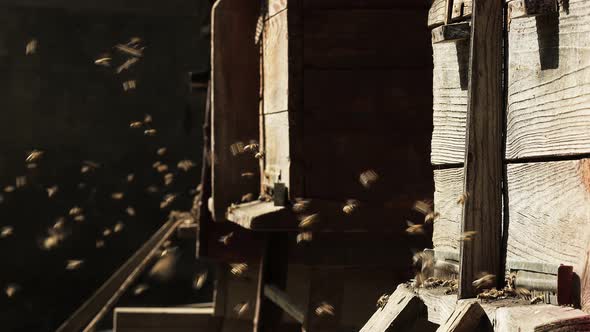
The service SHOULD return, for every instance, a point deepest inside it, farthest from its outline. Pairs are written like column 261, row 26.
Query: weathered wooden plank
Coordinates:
column 235, row 98
column 524, row 8
column 540, row 318
column 447, row 227
column 282, row 300
column 439, row 305
column 277, row 162
column 400, row 312
column 549, row 214
column 451, row 32
column 482, row 211
column 276, row 6
column 468, row 316
column 276, row 64
column 451, row 63
column 549, row 84
column 461, row 10
column 354, row 38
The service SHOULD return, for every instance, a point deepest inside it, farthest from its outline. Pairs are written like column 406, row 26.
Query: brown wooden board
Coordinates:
column 451, row 63
column 447, row 227
column 549, row 214
column 235, row 91
column 549, row 84
column 482, row 210
column 357, row 38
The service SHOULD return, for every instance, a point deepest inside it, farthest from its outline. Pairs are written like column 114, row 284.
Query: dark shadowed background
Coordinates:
column 58, row 101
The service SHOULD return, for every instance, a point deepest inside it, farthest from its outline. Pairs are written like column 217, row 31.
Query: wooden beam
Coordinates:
column 482, row 211
column 403, row 308
column 468, row 316
column 451, row 32
column 526, row 8
column 273, row 270
column 281, row 299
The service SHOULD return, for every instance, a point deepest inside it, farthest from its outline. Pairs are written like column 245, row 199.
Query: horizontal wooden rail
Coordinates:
column 281, row 299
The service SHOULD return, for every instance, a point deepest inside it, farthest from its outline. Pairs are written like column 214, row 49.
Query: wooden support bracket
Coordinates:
column 451, row 32
column 468, row 316
column 527, row 8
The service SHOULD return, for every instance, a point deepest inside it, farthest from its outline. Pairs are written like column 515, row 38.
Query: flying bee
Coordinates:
column 140, row 289
column 382, row 301
column 185, row 165
column 129, row 85
column 126, row 65
column 414, row 229
column 304, row 237
column 485, row 282
column 147, row 118
column 85, row 169
column 238, row 269
column 11, row 289
column 99, row 243
column 130, row 177
column 34, row 156
column 301, row 205
column 150, row 132
column 129, row 50
column 107, row 232
column 226, row 238
column 431, row 217
column 424, row 207
column 104, row 60
column 351, row 206
column 117, row 196
column 168, row 179
column 463, row 198
column 51, row 191
column 368, row 178
column 130, row 211
column 247, row 175
column 247, row 197
column 236, row 148
column 325, row 309
column 135, row 124
column 74, row 264
column 309, row 220
column 537, row 299
column 200, row 280
column 168, row 199
column 79, row 218
column 467, row 236
column 252, row 147
column 161, row 151
column 74, row 211
column 259, row 155
column 118, row 227
column 31, row 47
column 6, row 231
column 162, row 168
column 241, row 308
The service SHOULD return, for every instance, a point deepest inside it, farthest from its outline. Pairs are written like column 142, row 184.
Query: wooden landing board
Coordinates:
column 400, row 312
column 549, row 83
column 235, row 96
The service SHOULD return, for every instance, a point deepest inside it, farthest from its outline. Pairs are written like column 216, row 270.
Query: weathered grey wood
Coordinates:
column 451, row 62
column 281, row 299
column 524, row 8
column 163, row 319
column 401, row 310
column 447, row 227
column 451, row 32
column 439, row 305
column 549, row 84
column 276, row 6
column 235, row 97
column 104, row 299
column 482, row 211
column 549, row 211
column 468, row 316
column 540, row 318
column 277, row 148
column 461, row 10
column 275, row 63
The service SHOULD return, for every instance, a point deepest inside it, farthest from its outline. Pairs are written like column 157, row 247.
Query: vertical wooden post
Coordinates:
column 482, row 211
column 273, row 271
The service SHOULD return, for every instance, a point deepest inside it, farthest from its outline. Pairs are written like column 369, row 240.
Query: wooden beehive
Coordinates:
column 547, row 124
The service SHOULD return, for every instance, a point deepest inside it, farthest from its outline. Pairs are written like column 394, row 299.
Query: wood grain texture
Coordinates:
column 451, row 62
column 540, row 318
column 447, row 228
column 468, row 316
column 276, row 64
column 436, row 15
column 482, row 211
column 401, row 310
column 549, row 83
column 549, row 211
column 235, row 91
column 451, row 32
column 277, row 163
column 276, row 6
column 355, row 38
